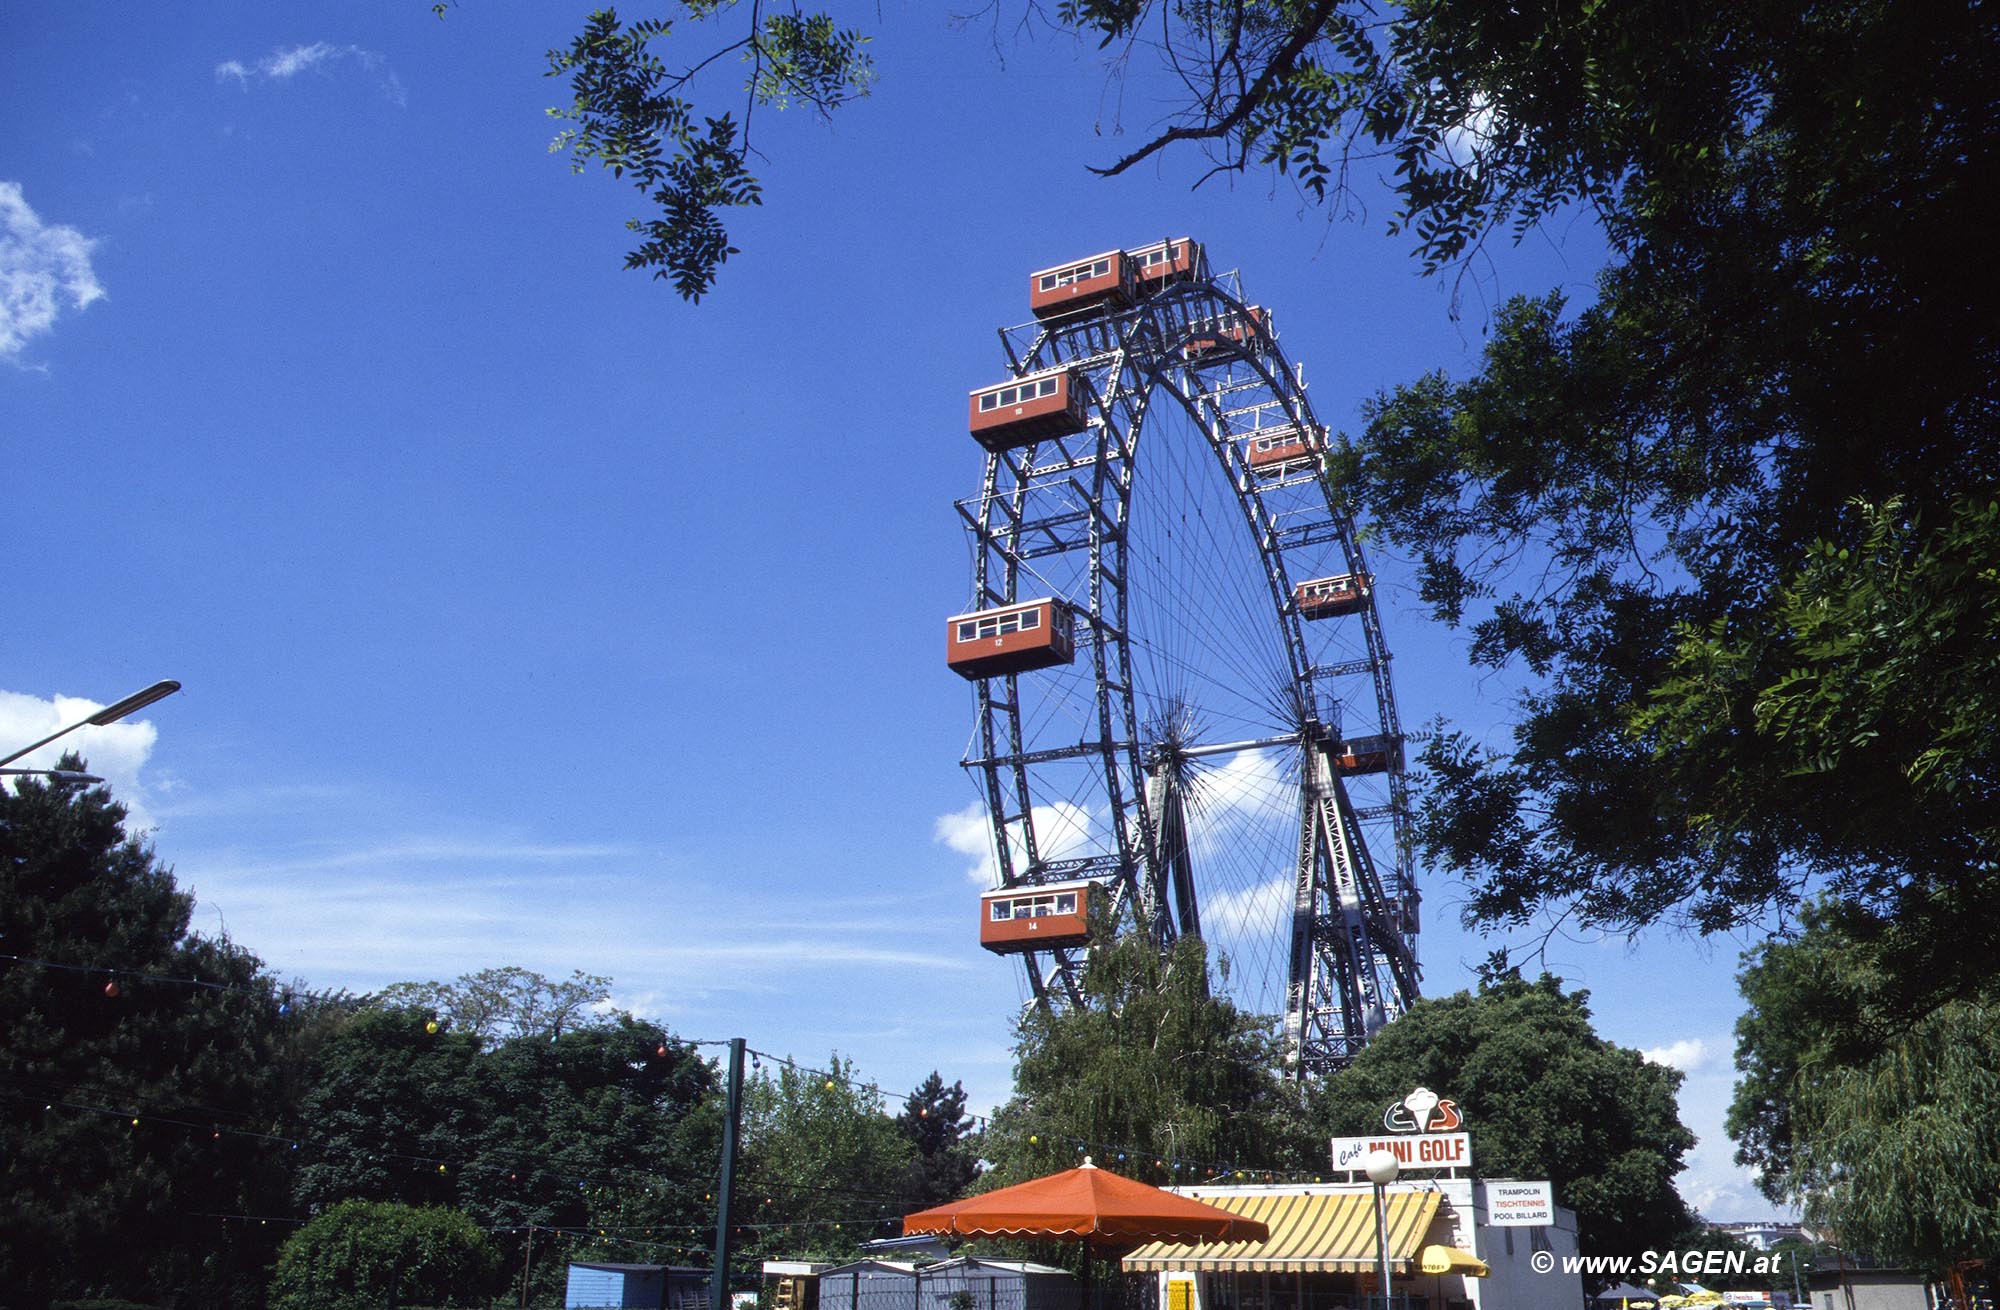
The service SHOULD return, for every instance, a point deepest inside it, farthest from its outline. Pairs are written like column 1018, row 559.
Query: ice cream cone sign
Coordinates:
column 1422, row 1111
column 1420, row 1103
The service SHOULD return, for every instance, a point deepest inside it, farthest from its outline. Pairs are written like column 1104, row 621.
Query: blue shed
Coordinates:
column 869, row 1285
column 964, row 1283
column 636, row 1287
column 973, row 1283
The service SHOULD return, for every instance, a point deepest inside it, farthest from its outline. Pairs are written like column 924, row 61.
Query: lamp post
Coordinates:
column 110, row 714
column 1382, row 1167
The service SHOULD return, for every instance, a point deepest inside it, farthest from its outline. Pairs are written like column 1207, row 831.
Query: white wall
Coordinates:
column 1515, row 1284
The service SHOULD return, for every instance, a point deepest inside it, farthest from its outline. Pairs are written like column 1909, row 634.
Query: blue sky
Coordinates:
column 528, row 615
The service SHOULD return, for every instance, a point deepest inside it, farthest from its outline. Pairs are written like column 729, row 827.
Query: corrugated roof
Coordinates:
column 1310, row 1233
column 986, row 1262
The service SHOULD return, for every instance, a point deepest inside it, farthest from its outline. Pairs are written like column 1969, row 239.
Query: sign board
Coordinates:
column 1412, row 1151
column 1520, row 1205
column 1422, row 1111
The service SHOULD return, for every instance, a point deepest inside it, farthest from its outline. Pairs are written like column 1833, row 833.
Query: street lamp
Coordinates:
column 66, row 777
column 1381, row 1166
column 110, row 714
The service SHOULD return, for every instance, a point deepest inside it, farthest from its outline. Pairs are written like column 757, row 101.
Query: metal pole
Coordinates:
column 719, row 1275
column 1382, row 1242
column 105, row 717
column 527, row 1260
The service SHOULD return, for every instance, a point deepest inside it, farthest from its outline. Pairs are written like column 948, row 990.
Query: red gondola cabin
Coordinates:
column 1035, row 634
column 1224, row 335
column 1323, row 598
column 1013, row 919
column 1179, row 260
column 1368, row 755
column 1030, row 409
column 1067, row 289
column 1280, row 450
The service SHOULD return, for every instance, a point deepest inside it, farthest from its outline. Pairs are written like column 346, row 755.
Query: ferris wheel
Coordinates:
column 1184, row 718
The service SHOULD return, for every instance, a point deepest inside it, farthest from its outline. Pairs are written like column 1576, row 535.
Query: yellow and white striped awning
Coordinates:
column 1310, row 1233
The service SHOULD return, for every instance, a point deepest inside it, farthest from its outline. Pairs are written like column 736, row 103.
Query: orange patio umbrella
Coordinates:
column 1089, row 1205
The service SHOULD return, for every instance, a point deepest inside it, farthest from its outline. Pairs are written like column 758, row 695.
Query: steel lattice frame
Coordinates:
column 1196, row 729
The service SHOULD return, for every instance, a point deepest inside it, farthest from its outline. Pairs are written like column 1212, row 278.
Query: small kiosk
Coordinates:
column 1453, row 1243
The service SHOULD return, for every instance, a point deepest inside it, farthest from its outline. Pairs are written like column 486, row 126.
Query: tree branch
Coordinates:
column 1281, row 64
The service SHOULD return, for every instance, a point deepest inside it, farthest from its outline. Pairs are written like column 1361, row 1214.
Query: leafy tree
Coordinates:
column 1543, row 1097
column 1872, row 689
column 508, row 1002
column 935, row 1122
column 1883, row 1128
column 823, row 1165
column 1633, row 500
column 398, row 1107
column 616, row 1128
column 138, row 1069
column 603, row 1127
column 362, row 1255
column 1157, row 1077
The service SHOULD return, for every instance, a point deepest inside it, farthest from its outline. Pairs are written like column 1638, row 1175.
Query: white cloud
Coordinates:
column 41, row 265
column 1252, row 912
column 967, row 832
column 1713, row 1183
column 1245, row 781
column 1464, row 146
column 280, row 64
column 288, row 62
column 1688, row 1055
column 1062, row 831
column 116, row 752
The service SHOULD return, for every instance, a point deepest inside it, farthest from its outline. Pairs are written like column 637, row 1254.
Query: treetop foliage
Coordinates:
column 612, row 1126
column 824, row 1167
column 935, row 1122
column 1883, row 1128
column 509, row 1002
column 1729, row 515
column 108, row 1001
column 629, row 114
column 1155, row 1065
